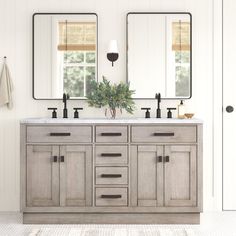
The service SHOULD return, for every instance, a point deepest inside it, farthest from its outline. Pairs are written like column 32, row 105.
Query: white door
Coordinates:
column 229, row 105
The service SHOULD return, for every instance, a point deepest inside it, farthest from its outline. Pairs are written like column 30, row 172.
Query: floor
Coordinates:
column 212, row 224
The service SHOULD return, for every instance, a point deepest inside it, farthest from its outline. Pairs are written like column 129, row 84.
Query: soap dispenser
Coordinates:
column 181, row 110
column 147, row 114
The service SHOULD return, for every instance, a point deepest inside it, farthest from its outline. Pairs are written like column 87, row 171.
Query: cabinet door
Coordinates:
column 42, row 175
column 180, row 175
column 75, row 175
column 146, row 176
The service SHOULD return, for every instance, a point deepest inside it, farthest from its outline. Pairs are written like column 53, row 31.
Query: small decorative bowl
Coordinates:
column 189, row 115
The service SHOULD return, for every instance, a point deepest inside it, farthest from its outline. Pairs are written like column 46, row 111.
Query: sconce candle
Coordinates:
column 112, row 54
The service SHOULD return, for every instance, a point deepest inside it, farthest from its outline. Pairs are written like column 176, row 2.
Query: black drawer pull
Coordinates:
column 111, row 175
column 167, row 158
column 164, row 134
column 159, row 158
column 114, row 196
column 111, row 134
column 60, row 134
column 62, row 159
column 111, row 154
column 54, row 158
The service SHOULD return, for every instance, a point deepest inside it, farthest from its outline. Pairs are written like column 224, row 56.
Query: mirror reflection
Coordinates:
column 65, row 55
column 159, row 54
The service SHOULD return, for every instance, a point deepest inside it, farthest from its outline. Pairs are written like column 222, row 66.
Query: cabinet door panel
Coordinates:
column 42, row 176
column 180, row 176
column 150, row 176
column 76, row 176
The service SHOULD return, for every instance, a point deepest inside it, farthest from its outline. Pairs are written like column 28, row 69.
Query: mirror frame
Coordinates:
column 33, row 44
column 127, row 58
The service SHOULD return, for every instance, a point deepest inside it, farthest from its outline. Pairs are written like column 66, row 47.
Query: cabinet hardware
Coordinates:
column 111, row 175
column 62, row 159
column 60, row 134
column 167, row 159
column 229, row 109
column 54, row 158
column 111, row 154
column 164, row 134
column 111, row 134
column 159, row 158
column 111, row 196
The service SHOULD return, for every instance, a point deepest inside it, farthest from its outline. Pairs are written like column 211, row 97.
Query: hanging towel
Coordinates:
column 6, row 87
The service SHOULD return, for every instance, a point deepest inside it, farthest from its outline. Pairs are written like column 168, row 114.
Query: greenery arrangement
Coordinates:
column 113, row 96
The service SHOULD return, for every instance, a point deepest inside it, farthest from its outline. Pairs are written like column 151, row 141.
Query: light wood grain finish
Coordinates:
column 115, row 218
column 125, row 174
column 48, row 134
column 75, row 176
column 157, row 134
column 120, row 157
column 181, row 176
column 109, row 193
column 119, row 175
column 150, row 176
column 42, row 176
column 111, row 134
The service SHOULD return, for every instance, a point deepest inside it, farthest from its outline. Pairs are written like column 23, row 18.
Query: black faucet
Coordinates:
column 158, row 97
column 65, row 98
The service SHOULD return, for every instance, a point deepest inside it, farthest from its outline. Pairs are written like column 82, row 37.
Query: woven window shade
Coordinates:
column 181, row 36
column 77, row 36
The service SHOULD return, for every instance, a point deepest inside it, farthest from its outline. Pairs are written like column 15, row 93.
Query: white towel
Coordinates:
column 6, row 87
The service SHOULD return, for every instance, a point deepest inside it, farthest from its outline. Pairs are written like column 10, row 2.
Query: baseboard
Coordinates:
column 108, row 218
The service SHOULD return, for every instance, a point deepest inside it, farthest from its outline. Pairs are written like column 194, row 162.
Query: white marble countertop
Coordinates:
column 110, row 121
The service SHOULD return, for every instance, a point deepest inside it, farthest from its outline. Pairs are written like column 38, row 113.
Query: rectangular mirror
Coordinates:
column 159, row 54
column 64, row 54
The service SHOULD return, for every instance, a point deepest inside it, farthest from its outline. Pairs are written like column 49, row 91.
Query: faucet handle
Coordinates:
column 169, row 113
column 147, row 114
column 76, row 113
column 54, row 113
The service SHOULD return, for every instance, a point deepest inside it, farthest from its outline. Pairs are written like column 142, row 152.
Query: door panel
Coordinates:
column 42, row 176
column 76, row 175
column 229, row 98
column 150, row 176
column 180, row 176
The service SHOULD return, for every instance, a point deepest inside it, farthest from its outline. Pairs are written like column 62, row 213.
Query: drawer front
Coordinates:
column 111, row 154
column 57, row 134
column 112, row 175
column 164, row 134
column 110, row 134
column 111, row 197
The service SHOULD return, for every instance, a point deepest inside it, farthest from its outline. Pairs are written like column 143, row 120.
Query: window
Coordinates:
column 77, row 55
column 181, row 50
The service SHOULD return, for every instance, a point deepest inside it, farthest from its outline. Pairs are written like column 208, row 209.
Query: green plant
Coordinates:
column 113, row 96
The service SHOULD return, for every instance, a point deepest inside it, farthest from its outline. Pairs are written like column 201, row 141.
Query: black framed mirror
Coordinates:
column 65, row 49
column 159, row 54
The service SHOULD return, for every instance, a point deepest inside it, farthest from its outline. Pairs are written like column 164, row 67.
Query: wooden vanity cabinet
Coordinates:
column 111, row 173
column 59, row 175
column 166, row 176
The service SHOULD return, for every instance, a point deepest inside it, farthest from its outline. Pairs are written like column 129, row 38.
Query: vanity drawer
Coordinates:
column 165, row 134
column 58, row 134
column 110, row 134
column 111, row 175
column 111, row 154
column 111, row 197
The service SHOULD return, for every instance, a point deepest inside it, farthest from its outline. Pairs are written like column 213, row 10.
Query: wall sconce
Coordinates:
column 112, row 54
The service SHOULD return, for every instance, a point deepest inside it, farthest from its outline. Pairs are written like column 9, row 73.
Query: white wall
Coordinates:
column 15, row 43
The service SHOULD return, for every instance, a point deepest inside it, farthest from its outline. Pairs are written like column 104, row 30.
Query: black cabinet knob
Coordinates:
column 229, row 109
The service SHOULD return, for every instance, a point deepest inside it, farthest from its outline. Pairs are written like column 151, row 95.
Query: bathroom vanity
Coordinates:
column 111, row 171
